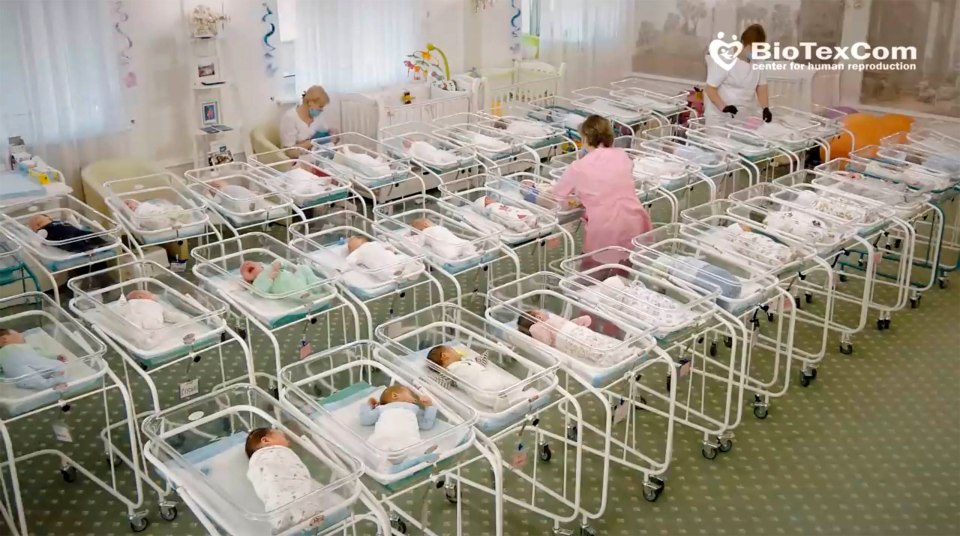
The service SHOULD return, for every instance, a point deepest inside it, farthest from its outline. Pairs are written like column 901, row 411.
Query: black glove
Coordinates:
column 730, row 109
column 767, row 116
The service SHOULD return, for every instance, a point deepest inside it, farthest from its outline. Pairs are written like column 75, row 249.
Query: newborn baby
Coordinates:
column 30, row 367
column 653, row 170
column 378, row 260
column 366, row 164
column 514, row 219
column 487, row 143
column 236, row 198
column 531, row 194
column 659, row 310
column 397, row 418
column 744, row 241
column 798, row 224
column 57, row 231
column 280, row 477
column 486, row 379
column 571, row 337
column 442, row 241
column 142, row 309
column 527, row 129
column 301, row 182
column 431, row 155
column 156, row 214
column 282, row 278
column 837, row 207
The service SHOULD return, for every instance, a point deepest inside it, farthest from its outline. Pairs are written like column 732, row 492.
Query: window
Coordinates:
column 287, row 15
column 530, row 17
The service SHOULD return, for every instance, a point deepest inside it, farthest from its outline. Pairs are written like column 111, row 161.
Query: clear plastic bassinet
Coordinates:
column 177, row 216
column 239, row 193
column 199, row 447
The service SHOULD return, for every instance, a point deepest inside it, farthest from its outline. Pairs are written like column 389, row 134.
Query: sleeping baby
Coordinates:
column 57, row 231
column 397, row 418
column 442, row 242
column 480, row 374
column 142, row 309
column 280, row 477
column 32, row 368
column 282, row 278
column 368, row 165
column 513, row 218
column 431, row 155
column 659, row 310
column 236, row 198
column 302, row 182
column 798, row 224
column 155, row 214
column 379, row 260
column 744, row 241
column 571, row 337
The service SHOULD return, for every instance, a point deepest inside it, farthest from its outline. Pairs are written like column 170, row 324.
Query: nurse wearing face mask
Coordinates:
column 740, row 91
column 301, row 124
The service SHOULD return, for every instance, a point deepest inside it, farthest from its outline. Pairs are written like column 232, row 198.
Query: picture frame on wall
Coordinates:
column 208, row 71
column 210, row 113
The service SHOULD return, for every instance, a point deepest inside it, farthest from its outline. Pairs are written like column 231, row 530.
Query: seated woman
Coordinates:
column 303, row 123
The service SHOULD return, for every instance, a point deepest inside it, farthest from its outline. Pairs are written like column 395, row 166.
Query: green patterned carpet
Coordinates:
column 872, row 447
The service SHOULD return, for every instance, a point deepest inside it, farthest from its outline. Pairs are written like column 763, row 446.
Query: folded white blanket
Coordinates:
column 366, row 164
column 422, row 150
column 446, row 245
column 156, row 214
column 381, row 262
column 656, row 169
column 487, row 143
column 527, row 129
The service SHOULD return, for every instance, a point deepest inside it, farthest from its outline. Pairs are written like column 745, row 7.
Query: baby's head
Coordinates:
column 356, row 241
column 249, row 270
column 443, row 356
column 132, row 204
column 10, row 336
column 487, row 200
column 529, row 318
column 398, row 393
column 259, row 438
column 421, row 224
column 39, row 221
column 216, row 184
column 141, row 295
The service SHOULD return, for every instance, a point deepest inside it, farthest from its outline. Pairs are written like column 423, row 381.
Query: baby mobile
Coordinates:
column 269, row 19
column 129, row 78
column 425, row 65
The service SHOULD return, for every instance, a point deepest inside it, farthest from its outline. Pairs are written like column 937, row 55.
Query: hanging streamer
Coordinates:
column 129, row 77
column 268, row 56
column 515, row 28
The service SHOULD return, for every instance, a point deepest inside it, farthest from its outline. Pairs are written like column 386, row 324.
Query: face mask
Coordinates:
column 315, row 113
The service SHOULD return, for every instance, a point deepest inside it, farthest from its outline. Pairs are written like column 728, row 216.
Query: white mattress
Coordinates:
column 224, row 465
column 386, row 469
column 333, row 263
column 78, row 375
column 272, row 312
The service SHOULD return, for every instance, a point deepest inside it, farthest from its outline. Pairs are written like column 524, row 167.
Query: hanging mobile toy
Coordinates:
column 407, row 98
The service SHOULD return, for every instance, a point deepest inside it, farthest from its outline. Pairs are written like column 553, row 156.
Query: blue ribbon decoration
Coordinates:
column 123, row 17
column 515, row 27
column 269, row 48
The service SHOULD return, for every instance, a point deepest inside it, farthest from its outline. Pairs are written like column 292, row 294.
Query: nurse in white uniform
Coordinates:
column 740, row 91
column 301, row 124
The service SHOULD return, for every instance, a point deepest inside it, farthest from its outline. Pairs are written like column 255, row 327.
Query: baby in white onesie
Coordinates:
column 431, row 155
column 397, row 418
column 486, row 379
column 155, row 214
column 442, row 242
column 368, row 165
column 280, row 477
column 302, row 182
column 236, row 198
column 141, row 308
column 514, row 219
column 378, row 260
column 571, row 337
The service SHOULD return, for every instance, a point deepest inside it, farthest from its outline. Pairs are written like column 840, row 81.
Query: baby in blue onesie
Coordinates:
column 279, row 278
column 29, row 366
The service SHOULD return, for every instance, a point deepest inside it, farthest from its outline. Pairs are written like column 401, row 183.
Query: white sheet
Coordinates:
column 431, row 155
column 266, row 310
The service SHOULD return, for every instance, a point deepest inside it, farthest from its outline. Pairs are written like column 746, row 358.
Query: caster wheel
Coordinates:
column 545, row 453
column 897, row 243
column 813, row 374
column 726, row 445
column 914, row 303
column 770, row 317
column 846, row 348
column 728, row 342
column 399, row 525
column 943, row 283
column 843, row 278
column 652, row 494
column 808, row 297
column 168, row 513
column 588, row 531
column 668, row 385
column 761, row 412
column 242, row 333
column 69, row 474
column 886, row 323
column 572, row 433
column 804, row 380
column 796, row 301
column 275, row 392
column 139, row 524
column 880, row 324
column 713, row 349
column 451, row 493
column 709, row 452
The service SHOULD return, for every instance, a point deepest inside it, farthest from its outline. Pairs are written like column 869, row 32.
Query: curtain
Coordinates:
column 59, row 72
column 594, row 38
column 352, row 45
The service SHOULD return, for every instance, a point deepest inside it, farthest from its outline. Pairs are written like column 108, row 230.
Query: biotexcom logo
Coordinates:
column 858, row 56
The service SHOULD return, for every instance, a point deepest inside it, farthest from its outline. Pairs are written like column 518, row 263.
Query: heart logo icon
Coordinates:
column 724, row 53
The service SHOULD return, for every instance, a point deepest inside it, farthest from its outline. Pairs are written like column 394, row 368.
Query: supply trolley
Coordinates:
column 374, row 170
column 389, row 278
column 198, row 447
column 466, row 256
column 914, row 195
column 156, row 210
column 795, row 264
column 680, row 319
column 77, row 376
column 331, row 403
column 239, row 195
column 511, row 391
column 599, row 372
column 225, row 269
column 436, row 160
column 96, row 237
column 173, row 348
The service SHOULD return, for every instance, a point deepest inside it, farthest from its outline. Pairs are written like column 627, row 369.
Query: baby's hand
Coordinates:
column 62, row 358
column 317, row 521
column 426, row 401
column 373, row 402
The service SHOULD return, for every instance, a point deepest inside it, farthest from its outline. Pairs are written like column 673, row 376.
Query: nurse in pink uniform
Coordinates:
column 603, row 182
